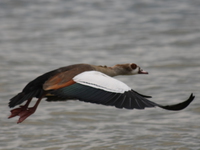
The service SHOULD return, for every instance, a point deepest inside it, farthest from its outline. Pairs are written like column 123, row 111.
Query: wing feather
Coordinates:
column 120, row 103
column 101, row 81
column 112, row 101
column 101, row 89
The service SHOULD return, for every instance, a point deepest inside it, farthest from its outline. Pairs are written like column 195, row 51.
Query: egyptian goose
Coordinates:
column 88, row 83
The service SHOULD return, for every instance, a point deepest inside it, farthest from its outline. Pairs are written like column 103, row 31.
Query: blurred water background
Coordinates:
column 163, row 37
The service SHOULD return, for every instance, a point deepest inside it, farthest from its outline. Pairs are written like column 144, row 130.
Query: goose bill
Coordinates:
column 142, row 71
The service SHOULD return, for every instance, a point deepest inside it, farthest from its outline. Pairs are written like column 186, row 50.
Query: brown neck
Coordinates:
column 112, row 71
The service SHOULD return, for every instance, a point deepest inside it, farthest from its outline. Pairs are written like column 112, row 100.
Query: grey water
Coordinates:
column 162, row 37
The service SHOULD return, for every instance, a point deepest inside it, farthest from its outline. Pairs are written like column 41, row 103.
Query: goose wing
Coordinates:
column 96, row 87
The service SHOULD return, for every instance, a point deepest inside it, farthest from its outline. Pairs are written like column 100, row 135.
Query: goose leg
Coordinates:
column 29, row 111
column 17, row 111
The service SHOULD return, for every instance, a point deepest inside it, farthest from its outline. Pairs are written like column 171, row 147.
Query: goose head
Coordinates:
column 129, row 69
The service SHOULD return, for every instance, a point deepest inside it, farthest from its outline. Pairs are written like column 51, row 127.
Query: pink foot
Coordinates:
column 25, row 114
column 17, row 111
column 23, row 111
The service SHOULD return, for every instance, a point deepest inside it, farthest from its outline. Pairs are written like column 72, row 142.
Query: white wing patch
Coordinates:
column 101, row 81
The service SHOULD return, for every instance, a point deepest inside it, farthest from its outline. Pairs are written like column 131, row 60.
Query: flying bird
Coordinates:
column 88, row 83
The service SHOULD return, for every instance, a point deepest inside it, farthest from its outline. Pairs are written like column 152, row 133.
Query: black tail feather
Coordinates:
column 178, row 106
column 21, row 97
column 14, row 100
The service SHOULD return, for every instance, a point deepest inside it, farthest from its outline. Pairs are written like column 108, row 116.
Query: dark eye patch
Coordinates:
column 133, row 66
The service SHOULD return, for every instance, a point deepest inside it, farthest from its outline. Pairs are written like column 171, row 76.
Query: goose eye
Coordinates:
column 133, row 66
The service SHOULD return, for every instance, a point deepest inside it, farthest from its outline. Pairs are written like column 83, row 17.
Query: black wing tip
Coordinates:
column 191, row 98
column 179, row 106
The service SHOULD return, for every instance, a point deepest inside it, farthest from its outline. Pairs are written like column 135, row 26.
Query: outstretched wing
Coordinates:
column 96, row 87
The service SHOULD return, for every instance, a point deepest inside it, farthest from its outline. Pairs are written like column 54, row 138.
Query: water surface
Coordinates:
column 163, row 37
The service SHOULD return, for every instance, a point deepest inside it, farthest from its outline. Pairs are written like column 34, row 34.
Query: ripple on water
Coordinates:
column 162, row 37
